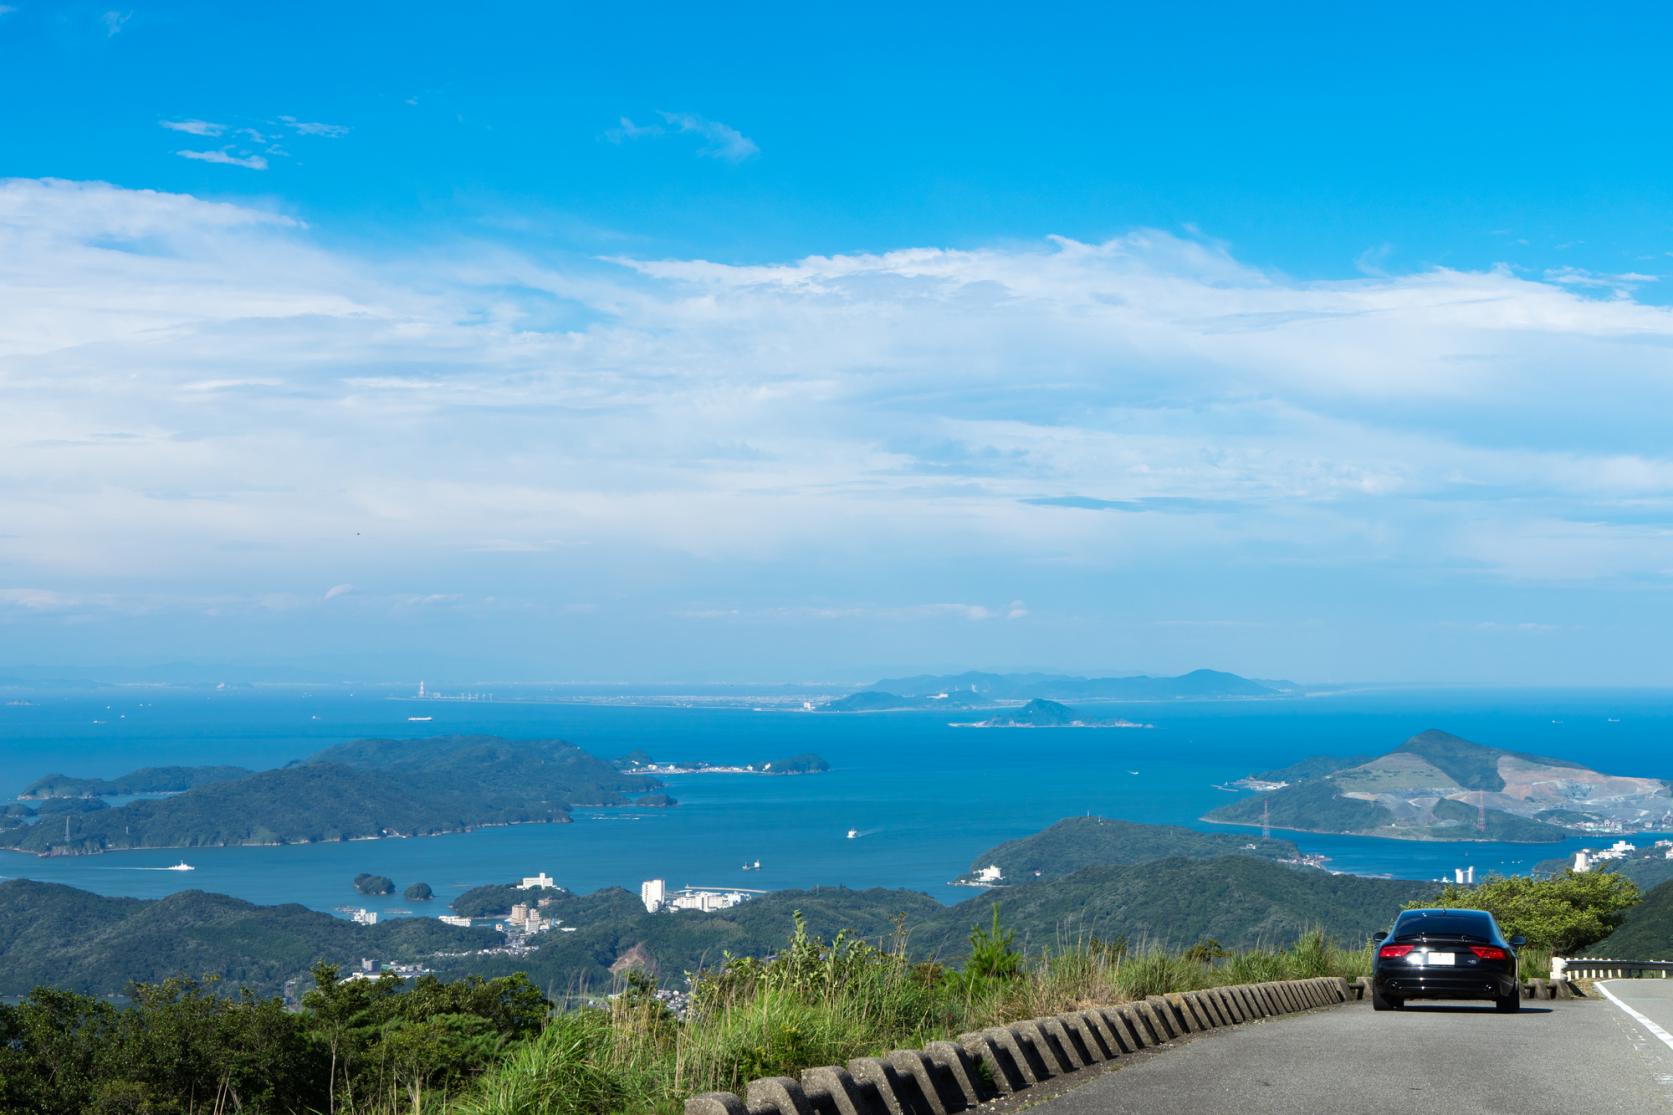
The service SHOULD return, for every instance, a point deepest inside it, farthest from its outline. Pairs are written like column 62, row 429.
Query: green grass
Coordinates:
column 819, row 1003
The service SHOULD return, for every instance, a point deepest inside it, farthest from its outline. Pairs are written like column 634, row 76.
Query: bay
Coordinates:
column 926, row 798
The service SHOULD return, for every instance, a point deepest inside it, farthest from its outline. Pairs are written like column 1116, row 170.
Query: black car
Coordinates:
column 1445, row 954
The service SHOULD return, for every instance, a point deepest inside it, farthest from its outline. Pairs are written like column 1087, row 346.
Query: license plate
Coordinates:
column 1442, row 958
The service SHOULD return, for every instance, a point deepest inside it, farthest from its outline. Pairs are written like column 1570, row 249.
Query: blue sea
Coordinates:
column 925, row 797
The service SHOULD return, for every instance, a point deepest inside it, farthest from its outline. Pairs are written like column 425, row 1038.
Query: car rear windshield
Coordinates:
column 1446, row 925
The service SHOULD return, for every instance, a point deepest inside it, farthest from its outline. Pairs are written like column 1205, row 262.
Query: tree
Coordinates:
column 418, row 892
column 991, row 955
column 1563, row 913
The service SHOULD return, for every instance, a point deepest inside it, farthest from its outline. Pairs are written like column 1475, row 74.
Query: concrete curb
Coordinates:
column 947, row 1077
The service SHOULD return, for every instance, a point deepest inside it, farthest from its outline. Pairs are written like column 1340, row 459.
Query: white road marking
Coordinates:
column 1665, row 1037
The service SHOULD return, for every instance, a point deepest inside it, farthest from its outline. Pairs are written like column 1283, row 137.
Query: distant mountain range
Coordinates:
column 981, row 690
column 1436, row 786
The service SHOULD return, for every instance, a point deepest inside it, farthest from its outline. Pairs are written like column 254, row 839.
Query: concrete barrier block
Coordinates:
column 1105, row 1045
column 833, row 1091
column 1244, row 1003
column 1256, row 1006
column 1048, row 1060
column 715, row 1103
column 1029, row 1066
column 1229, row 1006
column 1562, row 989
column 920, row 1085
column 1209, row 1007
column 960, row 1070
column 1194, row 1002
column 1129, row 1027
column 1340, row 985
column 1263, row 995
column 1069, row 1052
column 780, row 1094
column 1171, row 1015
column 1163, row 1022
column 1002, row 1068
column 873, row 1074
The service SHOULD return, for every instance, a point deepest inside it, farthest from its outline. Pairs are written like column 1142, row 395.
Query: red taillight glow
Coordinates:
column 1488, row 952
column 1393, row 952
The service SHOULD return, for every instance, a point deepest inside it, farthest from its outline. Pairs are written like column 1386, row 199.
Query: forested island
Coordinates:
column 146, row 780
column 1436, row 786
column 353, row 791
column 1040, row 713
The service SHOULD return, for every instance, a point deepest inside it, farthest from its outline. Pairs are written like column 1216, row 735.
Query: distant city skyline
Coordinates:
column 661, row 344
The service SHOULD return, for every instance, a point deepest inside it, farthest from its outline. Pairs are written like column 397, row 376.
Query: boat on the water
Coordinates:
column 853, row 834
column 420, row 719
column 181, row 866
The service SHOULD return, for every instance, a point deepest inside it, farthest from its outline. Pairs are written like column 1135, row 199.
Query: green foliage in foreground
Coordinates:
column 366, row 1046
column 1562, row 914
column 488, row 1047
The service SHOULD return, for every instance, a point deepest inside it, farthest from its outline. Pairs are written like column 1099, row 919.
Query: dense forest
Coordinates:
column 362, row 789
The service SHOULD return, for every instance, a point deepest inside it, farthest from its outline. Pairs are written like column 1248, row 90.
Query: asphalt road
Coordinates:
column 1581, row 1057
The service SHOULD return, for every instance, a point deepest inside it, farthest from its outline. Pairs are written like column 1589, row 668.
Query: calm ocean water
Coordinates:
column 925, row 797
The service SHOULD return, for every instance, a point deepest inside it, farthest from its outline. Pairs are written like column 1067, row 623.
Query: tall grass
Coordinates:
column 822, row 1003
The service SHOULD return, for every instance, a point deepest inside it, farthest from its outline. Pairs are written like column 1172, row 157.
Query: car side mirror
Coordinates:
column 1518, row 941
column 1381, row 934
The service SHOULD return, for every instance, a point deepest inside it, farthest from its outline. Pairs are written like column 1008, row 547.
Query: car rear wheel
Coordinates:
column 1379, row 1001
column 1513, row 1001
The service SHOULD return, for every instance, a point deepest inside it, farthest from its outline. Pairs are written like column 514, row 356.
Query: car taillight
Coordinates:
column 1394, row 952
column 1488, row 952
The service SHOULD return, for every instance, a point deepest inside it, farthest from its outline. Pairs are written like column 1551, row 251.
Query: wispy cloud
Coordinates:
column 719, row 141
column 226, row 157
column 114, row 22
column 935, row 433
column 310, row 128
column 194, row 127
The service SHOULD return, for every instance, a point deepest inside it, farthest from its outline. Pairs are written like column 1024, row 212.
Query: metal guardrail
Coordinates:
column 1601, row 967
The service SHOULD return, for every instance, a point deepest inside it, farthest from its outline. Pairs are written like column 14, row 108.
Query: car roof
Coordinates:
column 1443, row 911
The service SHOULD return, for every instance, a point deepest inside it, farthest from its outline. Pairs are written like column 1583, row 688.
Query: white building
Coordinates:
column 530, row 882
column 706, row 901
column 990, row 874
column 653, row 893
column 455, row 919
column 364, row 917
column 1463, row 875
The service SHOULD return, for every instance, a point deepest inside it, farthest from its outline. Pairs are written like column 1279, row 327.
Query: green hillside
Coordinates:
column 63, row 937
column 1436, row 786
column 1647, row 933
column 1077, row 842
column 1237, row 900
column 364, row 789
column 146, row 780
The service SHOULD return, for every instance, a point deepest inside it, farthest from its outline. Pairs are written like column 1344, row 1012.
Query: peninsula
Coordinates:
column 1436, row 786
column 353, row 791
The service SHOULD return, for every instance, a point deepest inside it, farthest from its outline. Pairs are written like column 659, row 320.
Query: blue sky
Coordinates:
column 787, row 342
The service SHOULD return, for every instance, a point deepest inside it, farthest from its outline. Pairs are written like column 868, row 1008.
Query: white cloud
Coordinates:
column 226, row 157
column 194, row 127
column 720, row 141
column 308, row 128
column 114, row 22
column 188, row 380
column 335, row 591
